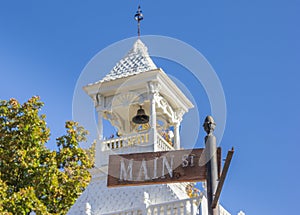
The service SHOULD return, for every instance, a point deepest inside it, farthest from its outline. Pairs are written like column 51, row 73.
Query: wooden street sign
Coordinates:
column 158, row 167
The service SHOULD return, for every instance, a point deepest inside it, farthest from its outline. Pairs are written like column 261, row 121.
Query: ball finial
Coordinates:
column 139, row 17
column 209, row 125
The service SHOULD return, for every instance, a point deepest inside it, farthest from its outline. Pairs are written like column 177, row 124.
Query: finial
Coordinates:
column 139, row 17
column 209, row 125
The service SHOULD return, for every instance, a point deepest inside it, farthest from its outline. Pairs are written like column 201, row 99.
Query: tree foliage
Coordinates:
column 33, row 177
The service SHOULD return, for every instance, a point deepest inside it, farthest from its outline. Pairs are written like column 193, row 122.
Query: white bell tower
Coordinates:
column 136, row 83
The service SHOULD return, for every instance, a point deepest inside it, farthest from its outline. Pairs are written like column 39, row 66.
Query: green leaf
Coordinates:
column 33, row 177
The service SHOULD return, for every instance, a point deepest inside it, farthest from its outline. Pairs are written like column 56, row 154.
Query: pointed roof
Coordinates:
column 136, row 61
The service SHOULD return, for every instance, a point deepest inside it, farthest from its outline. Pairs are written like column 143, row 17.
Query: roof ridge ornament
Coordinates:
column 139, row 48
column 139, row 17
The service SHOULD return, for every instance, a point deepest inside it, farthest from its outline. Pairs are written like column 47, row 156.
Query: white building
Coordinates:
column 136, row 82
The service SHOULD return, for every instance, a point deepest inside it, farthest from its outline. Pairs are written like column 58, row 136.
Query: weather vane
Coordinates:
column 139, row 17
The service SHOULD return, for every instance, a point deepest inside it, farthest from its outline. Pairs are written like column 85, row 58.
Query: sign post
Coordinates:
column 212, row 169
column 214, row 182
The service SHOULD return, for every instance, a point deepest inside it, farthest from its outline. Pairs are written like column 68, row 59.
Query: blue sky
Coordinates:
column 254, row 47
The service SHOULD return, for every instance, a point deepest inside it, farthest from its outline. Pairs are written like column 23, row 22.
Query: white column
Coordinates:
column 179, row 115
column 99, row 106
column 152, row 112
column 100, row 126
column 176, row 136
column 153, row 88
column 153, row 134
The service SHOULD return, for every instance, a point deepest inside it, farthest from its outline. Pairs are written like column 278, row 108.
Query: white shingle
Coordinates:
column 136, row 61
column 105, row 200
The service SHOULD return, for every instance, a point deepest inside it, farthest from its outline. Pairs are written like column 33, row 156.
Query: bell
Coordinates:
column 141, row 117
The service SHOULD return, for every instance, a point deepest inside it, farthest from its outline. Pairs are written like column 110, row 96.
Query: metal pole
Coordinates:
column 212, row 167
column 222, row 177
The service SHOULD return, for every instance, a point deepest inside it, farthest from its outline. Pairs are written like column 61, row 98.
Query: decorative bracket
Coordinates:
column 154, row 87
column 179, row 114
column 98, row 100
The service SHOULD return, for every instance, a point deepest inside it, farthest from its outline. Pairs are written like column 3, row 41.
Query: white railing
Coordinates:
column 179, row 207
column 162, row 144
column 135, row 139
column 125, row 141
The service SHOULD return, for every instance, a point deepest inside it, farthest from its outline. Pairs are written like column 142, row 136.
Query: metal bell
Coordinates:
column 141, row 117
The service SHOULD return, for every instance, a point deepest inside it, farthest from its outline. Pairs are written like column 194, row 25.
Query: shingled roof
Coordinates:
column 136, row 61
